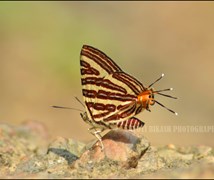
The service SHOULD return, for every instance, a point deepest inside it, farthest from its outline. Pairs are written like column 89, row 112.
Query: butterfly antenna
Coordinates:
column 166, row 95
column 61, row 107
column 79, row 101
column 162, row 75
column 168, row 89
column 166, row 108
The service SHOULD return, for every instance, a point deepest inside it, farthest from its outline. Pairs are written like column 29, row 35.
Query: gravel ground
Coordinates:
column 26, row 151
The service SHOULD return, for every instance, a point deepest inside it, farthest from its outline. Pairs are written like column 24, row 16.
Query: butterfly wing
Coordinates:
column 116, row 98
column 131, row 123
column 109, row 93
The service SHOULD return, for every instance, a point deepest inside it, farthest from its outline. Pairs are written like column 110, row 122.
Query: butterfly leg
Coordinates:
column 96, row 133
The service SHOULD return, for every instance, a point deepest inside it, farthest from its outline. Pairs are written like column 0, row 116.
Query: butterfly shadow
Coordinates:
column 68, row 156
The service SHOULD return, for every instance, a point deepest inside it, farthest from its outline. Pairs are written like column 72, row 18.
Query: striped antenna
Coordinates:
column 112, row 97
column 166, row 108
column 169, row 89
column 162, row 75
column 169, row 96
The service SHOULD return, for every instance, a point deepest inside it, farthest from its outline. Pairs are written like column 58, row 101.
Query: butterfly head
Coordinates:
column 147, row 97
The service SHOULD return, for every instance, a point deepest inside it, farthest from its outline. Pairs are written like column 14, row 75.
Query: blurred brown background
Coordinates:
column 40, row 44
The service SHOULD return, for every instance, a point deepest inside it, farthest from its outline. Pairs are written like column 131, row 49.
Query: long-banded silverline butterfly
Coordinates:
column 112, row 97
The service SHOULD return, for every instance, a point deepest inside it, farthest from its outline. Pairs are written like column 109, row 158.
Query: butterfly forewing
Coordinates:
column 96, row 60
column 109, row 93
column 95, row 65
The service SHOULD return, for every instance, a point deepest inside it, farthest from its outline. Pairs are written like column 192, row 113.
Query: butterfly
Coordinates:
column 112, row 97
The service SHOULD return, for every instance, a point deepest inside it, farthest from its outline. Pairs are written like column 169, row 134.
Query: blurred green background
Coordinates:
column 40, row 43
